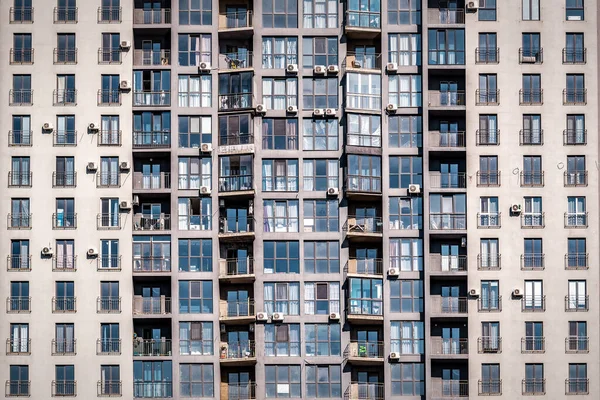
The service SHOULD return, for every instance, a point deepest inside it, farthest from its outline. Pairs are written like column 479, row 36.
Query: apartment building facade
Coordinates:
column 248, row 200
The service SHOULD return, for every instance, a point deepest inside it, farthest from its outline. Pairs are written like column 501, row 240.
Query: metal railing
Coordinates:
column 448, row 139
column 489, row 344
column 108, row 346
column 21, row 346
column 108, row 304
column 449, row 305
column 365, row 391
column 18, row 263
column 533, row 344
column 64, row 304
column 574, row 96
column 21, row 56
column 152, row 17
column 532, row 261
column 64, row 221
column 487, row 55
column 577, row 302
column 64, row 179
column 489, row 220
column 238, row 60
column 489, row 303
column 574, row 56
column 363, row 225
column 577, row 386
column 235, row 20
column 239, row 350
column 577, row 344
column 492, row 387
column 20, row 138
column 531, row 55
column 236, row 309
column 533, row 220
column 447, row 221
column 20, row 179
column 109, row 15
column 21, row 15
column 449, row 346
column 151, row 57
column 356, row 60
column 532, row 179
column 109, row 97
column 154, row 264
column 531, row 137
column 152, row 140
column 449, row 388
column 235, row 101
column 18, row 304
column 109, row 138
column 64, row 347
column 234, row 139
column 439, row 98
column 531, row 97
column 535, row 303
column 364, row 349
column 487, row 97
column 151, row 305
column 109, row 55
column 576, row 220
column 143, row 222
column 489, row 262
column 577, row 261
column 488, row 178
column 363, row 183
column 235, row 267
column 574, row 137
column 242, row 391
column 64, row 263
column 152, row 347
column 158, row 98
column 575, row 178
column 235, row 183
column 108, row 179
column 371, row 266
column 143, row 181
column 64, row 97
column 108, row 221
column 65, row 56
column 363, row 19
column 448, row 263
column 64, row 388
column 17, row 388
column 108, row 263
column 446, row 16
column 158, row 390
column 109, row 388
column 447, row 180
column 19, row 221
column 64, row 138
column 533, row 386
column 487, row 137
column 65, row 15
column 20, row 97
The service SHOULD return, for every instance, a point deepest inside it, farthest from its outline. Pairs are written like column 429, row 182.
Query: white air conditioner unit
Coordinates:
column 356, row 64
column 260, row 108
column 261, row 316
column 334, row 316
column 515, row 208
column 472, row 5
column 320, row 69
column 204, row 66
column 92, row 252
column 292, row 68
column 392, row 67
column 47, row 251
column 333, row 191
column 125, row 165
column 391, row 108
column 517, row 293
column 414, row 189
column 125, row 85
column 91, row 166
column 125, row 205
column 125, row 44
column 319, row 111
column 206, row 147
column 292, row 109
column 474, row 293
column 333, row 69
column 330, row 112
column 393, row 272
column 277, row 316
column 136, row 200
column 204, row 190
column 394, row 356
column 92, row 127
column 48, row 126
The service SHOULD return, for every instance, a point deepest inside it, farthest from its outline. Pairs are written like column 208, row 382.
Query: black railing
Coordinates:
column 20, row 97
column 487, row 55
column 531, row 137
column 363, row 183
column 488, row 178
column 574, row 137
column 489, row 304
column 574, row 56
column 574, row 96
column 109, row 15
column 531, row 97
column 108, row 304
column 20, row 138
column 64, row 388
column 576, row 220
column 20, row 179
column 577, row 386
column 488, row 137
column 489, row 344
column 19, row 220
column 108, row 346
column 65, row 56
column 236, row 225
column 109, row 388
column 64, row 179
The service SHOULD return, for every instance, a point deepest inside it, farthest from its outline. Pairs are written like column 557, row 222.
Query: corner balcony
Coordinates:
column 363, row 228
column 152, row 264
column 364, row 353
column 241, row 312
column 236, row 270
column 151, row 306
column 362, row 24
column 364, row 267
column 449, row 348
column 238, row 353
column 236, row 25
column 365, row 391
column 448, row 306
column 448, row 264
column 152, row 347
column 443, row 389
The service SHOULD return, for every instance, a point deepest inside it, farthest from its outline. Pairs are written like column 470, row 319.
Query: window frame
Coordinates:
column 292, row 257
column 311, row 213
column 332, row 260
column 272, row 182
column 414, row 295
column 310, row 141
column 204, row 303
column 331, row 336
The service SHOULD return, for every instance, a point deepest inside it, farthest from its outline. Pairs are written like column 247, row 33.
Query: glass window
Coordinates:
column 408, row 379
column 194, row 49
column 364, row 130
column 366, row 14
column 194, row 172
column 195, row 297
column 195, row 91
column 406, row 213
column 320, row 14
column 446, row 46
column 406, row 296
column 195, row 255
column 320, row 93
column 363, row 91
column 404, row 48
column 405, row 171
column 322, row 257
column 365, row 296
column 195, row 12
column 320, row 175
column 281, row 215
column 196, row 338
column 194, row 130
column 279, row 93
column 196, row 380
column 152, row 379
column 278, row 52
column 282, row 298
column 282, row 340
column 576, row 253
column 235, row 130
column 487, row 10
column 487, row 52
column 364, row 173
column 280, row 175
column 575, row 10
column 319, row 51
column 405, row 90
column 321, row 298
column 531, row 10
column 280, row 14
column 490, row 379
column 281, row 257
column 407, row 337
column 323, row 381
column 282, row 381
column 320, row 134
column 406, row 254
column 322, row 340
column 404, row 12
column 321, row 216
column 279, row 134
column 405, row 131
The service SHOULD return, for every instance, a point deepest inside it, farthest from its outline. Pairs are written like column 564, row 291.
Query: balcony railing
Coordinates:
column 235, row 20
column 152, row 347
column 109, row 97
column 65, row 15
column 64, row 179
column 363, row 19
column 531, row 97
column 489, row 344
column 235, row 101
column 64, row 304
column 235, row 139
column 449, row 346
column 531, row 137
column 448, row 139
column 363, row 225
column 108, row 262
column 159, row 98
column 151, row 57
column 17, row 388
column 21, row 56
column 160, row 390
column 143, row 222
column 488, row 178
column 532, row 179
column 533, row 303
column 109, row 388
column 234, row 267
column 361, row 61
column 531, row 55
column 577, row 344
column 152, row 140
column 487, row 97
column 371, row 266
column 240, row 350
column 448, row 263
column 108, row 179
column 449, row 305
column 64, row 138
column 575, row 178
column 152, row 17
column 576, row 220
column 64, row 221
column 67, row 263
column 151, row 305
column 364, row 350
column 19, row 221
column 574, row 97
column 20, row 138
column 533, row 386
column 577, row 261
column 21, row 15
column 18, row 263
column 365, row 391
column 109, row 55
column 446, row 180
column 446, row 16
column 109, row 138
column 20, row 97
column 486, row 262
column 65, row 56
column 19, row 179
column 18, row 346
column 532, row 261
column 363, row 184
column 154, row 264
column 492, row 387
column 242, row 391
column 533, row 220
column 450, row 388
column 158, row 181
column 578, row 386
column 574, row 137
column 487, row 137
column 64, row 97
column 577, row 302
column 64, row 347
column 64, row 388
column 108, row 221
column 574, row 56
column 109, row 15
column 235, row 183
column 447, row 221
column 108, row 304
column 236, row 309
column 233, row 61
column 489, row 303
column 489, row 220
column 18, row 304
column 108, row 346
column 487, row 55
column 439, row 98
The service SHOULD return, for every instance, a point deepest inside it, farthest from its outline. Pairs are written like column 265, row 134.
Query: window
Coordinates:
column 22, row 52
column 279, row 93
column 488, row 133
column 408, row 379
column 487, row 52
column 65, row 90
column 281, row 215
column 576, row 174
column 490, row 379
column 446, row 46
column 488, row 89
column 21, row 90
column 19, row 339
column 110, row 341
column 531, row 10
column 323, row 381
column 21, row 131
column 320, row 134
column 281, row 257
column 532, row 89
column 282, row 340
column 19, row 258
column 321, row 216
column 64, row 296
column 152, row 88
column 364, row 173
column 20, row 218
column 534, row 337
column 278, row 52
column 366, row 14
column 194, row 172
column 19, row 296
column 195, row 213
column 574, row 51
column 152, row 253
column 405, row 90
column 407, row 337
column 487, row 10
column 158, row 383
column 235, row 130
column 577, row 297
column 195, row 91
column 405, row 171
column 489, row 216
column 364, row 130
column 321, row 298
column 575, row 92
column 110, row 380
column 578, row 340
column 532, row 174
column 109, row 217
column 235, row 90
column 406, row 296
column 405, row 49
column 322, row 340
column 406, row 254
column 194, row 12
column 196, row 338
column 319, row 51
column 18, row 385
column 110, row 172
column 575, row 134
column 152, row 129
column 279, row 134
column 280, row 14
column 575, row 10
column 488, row 174
column 532, row 132
column 111, row 48
column 65, row 52
column 490, row 296
column 282, row 380
column 321, row 257
column 195, row 255
column 578, row 382
column 320, row 175
column 534, row 379
column 64, row 382
column 363, row 91
column 365, row 296
column 404, row 12
column 406, row 213
column 489, row 256
column 533, row 256
column 194, row 130
column 405, row 131
column 20, row 174
column 282, row 298
column 194, row 49
column 235, row 173
column 109, row 254
column 280, row 175
column 576, row 212
column 534, row 299
column 196, row 297
column 110, row 301
column 320, row 14
column 65, row 134
column 320, row 93
column 64, row 175
column 65, row 216
column 576, row 254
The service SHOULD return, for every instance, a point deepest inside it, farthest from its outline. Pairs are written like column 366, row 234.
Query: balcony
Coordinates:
column 151, row 305
column 236, row 101
column 109, row 55
column 18, row 347
column 64, row 221
column 109, row 388
column 64, row 304
column 364, row 310
column 108, row 305
column 237, row 311
column 108, row 263
column 533, row 387
column 532, row 179
column 65, row 347
column 454, row 100
column 490, row 220
column 18, row 263
column 152, row 347
column 19, row 221
column 237, row 270
column 487, row 137
column 487, row 55
column 363, row 267
column 489, row 345
column 447, row 264
column 449, row 348
column 20, row 97
column 155, row 390
column 574, row 55
column 243, row 143
column 65, row 15
column 109, row 138
column 446, row 388
column 362, row 24
column 357, row 62
column 21, row 15
column 577, row 386
column 20, row 138
column 64, row 263
column 490, row 387
column 489, row 262
column 19, row 179
column 576, row 220
column 159, row 98
column 18, row 304
column 575, row 178
column 364, row 352
column 446, row 16
column 64, row 179
column 236, row 184
column 531, row 55
column 448, row 140
column 445, row 180
column 574, row 97
column 577, row 344
column 64, row 97
column 109, row 98
column 489, row 303
column 64, row 138
column 160, row 16
column 236, row 228
column 487, row 97
column 65, row 56
column 488, row 178
column 17, row 389
column 238, row 353
column 109, row 15
column 152, row 264
column 574, row 137
column 21, row 56
column 229, row 62
column 143, row 222
column 447, row 221
column 575, row 303
column 108, row 346
column 236, row 25
column 363, row 227
column 152, row 140
column 531, row 137
column 151, row 182
column 533, row 303
column 365, row 391
column 448, row 306
column 577, row 261
column 111, row 179
column 242, row 391
column 531, row 97
column 363, row 185
column 64, row 388
column 532, row 262
column 144, row 58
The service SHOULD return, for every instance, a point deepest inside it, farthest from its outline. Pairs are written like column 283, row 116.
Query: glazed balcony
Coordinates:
column 152, row 140
column 157, row 98
column 357, row 185
column 152, row 264
column 447, row 221
column 364, row 310
column 362, row 24
column 236, row 228
column 236, row 24
column 236, row 101
column 236, row 183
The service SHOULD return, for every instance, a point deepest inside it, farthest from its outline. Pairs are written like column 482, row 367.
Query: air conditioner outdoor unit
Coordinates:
column 125, row 165
column 391, row 108
column 277, row 316
column 318, row 111
column 330, row 112
column 92, row 252
column 319, row 69
column 356, row 64
column 205, row 190
column 472, row 5
column 515, row 208
column 48, row 126
column 91, row 166
column 414, row 189
column 517, row 293
column 206, row 147
column 92, row 127
column 528, row 59
column 394, row 356
column 204, row 66
column 393, row 272
column 292, row 109
column 392, row 67
column 125, row 85
column 261, row 316
column 474, row 293
column 260, row 108
column 334, row 316
column 136, row 200
column 125, row 44
column 292, row 68
column 333, row 69
column 47, row 251
column 333, row 191
column 125, row 205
